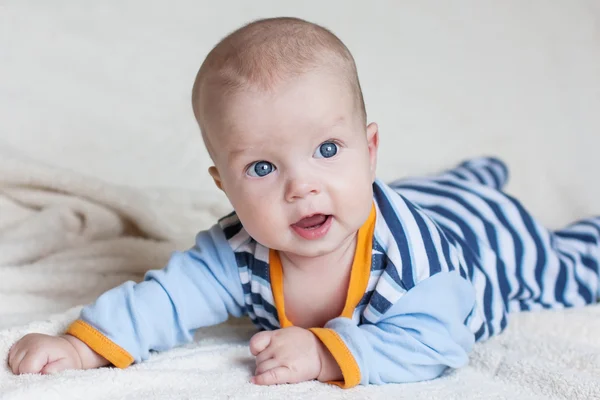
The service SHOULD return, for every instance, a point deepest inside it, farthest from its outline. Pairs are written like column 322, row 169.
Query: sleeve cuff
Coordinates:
column 83, row 331
column 342, row 355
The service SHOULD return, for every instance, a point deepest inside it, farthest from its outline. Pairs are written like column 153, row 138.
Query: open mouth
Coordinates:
column 314, row 226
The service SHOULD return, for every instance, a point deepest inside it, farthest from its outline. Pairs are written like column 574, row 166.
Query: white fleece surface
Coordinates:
column 102, row 170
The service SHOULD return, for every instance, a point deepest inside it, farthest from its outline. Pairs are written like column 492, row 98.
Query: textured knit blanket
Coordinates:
column 65, row 238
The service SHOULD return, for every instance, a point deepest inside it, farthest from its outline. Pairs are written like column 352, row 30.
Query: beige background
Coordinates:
column 103, row 88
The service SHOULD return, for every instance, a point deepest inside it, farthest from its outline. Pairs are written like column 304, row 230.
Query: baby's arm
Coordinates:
column 199, row 287
column 417, row 339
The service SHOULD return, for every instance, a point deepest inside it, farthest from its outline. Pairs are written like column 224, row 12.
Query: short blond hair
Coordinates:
column 263, row 53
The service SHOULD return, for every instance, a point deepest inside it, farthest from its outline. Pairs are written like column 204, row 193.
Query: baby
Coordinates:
column 350, row 280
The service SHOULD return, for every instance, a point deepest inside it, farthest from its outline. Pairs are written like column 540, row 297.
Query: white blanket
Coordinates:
column 65, row 238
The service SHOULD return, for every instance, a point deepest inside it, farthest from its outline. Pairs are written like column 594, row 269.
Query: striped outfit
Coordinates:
column 440, row 264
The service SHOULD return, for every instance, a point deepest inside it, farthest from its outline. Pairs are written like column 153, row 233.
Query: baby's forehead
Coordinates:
column 225, row 84
column 310, row 101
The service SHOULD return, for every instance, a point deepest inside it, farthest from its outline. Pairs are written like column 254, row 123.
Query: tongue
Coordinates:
column 309, row 222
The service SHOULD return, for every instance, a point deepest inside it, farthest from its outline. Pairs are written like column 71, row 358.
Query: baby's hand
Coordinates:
column 37, row 353
column 288, row 355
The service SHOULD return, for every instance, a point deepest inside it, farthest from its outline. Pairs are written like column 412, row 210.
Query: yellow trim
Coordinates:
column 102, row 345
column 361, row 266
column 341, row 354
column 276, row 275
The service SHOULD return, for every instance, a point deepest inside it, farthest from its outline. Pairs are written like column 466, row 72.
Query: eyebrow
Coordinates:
column 237, row 151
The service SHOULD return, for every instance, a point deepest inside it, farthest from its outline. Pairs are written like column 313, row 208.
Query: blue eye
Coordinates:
column 326, row 150
column 259, row 169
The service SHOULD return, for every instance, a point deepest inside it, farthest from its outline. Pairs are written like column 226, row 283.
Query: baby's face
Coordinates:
column 296, row 163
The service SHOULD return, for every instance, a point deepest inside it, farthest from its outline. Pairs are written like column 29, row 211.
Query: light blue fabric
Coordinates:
column 419, row 337
column 199, row 287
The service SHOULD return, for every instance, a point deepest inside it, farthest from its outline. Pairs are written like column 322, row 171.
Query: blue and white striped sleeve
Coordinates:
column 417, row 339
column 198, row 287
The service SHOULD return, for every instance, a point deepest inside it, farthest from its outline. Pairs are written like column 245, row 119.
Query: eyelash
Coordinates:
column 337, row 143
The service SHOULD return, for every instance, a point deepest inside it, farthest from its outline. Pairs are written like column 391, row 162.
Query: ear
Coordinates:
column 216, row 177
column 373, row 144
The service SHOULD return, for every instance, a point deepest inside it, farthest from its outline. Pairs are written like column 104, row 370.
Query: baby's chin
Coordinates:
column 300, row 248
column 307, row 253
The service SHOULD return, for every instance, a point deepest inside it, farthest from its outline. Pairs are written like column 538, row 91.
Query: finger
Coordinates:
column 265, row 355
column 260, row 341
column 33, row 363
column 275, row 376
column 11, row 354
column 266, row 365
column 57, row 366
column 18, row 356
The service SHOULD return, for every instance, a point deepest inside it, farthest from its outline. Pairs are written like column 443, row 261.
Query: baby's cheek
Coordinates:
column 357, row 200
column 356, row 184
column 263, row 225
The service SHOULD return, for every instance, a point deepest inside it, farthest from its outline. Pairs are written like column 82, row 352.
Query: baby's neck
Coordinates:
column 342, row 258
column 316, row 288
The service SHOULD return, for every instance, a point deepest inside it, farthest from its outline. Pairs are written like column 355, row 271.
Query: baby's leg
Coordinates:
column 487, row 171
column 578, row 248
column 567, row 269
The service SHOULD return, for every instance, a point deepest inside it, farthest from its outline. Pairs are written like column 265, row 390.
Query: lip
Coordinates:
column 314, row 233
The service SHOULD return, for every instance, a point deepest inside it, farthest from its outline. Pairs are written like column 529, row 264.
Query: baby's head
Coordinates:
column 282, row 116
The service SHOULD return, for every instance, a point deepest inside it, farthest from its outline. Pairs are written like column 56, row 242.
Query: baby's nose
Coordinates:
column 299, row 188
